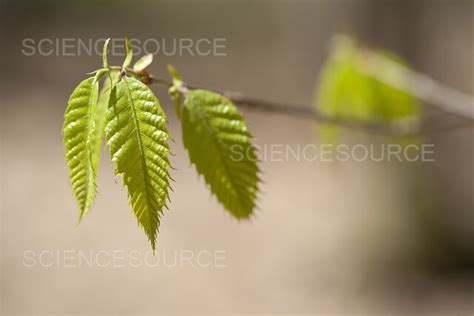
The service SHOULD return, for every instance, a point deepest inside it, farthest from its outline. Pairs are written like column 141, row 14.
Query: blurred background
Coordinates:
column 328, row 238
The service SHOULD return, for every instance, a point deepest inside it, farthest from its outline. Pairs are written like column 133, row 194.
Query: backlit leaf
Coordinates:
column 219, row 145
column 83, row 130
column 138, row 138
column 347, row 90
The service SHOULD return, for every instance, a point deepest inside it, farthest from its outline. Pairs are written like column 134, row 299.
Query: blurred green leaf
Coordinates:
column 348, row 88
column 175, row 76
column 220, row 146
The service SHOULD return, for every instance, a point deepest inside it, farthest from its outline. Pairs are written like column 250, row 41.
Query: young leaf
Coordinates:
column 83, row 130
column 173, row 91
column 177, row 81
column 128, row 57
column 105, row 63
column 347, row 91
column 219, row 144
column 138, row 138
column 143, row 62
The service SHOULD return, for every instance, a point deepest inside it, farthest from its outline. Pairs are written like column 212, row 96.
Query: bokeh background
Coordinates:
column 333, row 238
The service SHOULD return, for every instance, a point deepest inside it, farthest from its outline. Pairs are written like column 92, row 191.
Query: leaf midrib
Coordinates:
column 90, row 130
column 217, row 143
column 141, row 149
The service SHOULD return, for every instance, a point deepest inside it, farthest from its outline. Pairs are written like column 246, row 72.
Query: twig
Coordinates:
column 421, row 86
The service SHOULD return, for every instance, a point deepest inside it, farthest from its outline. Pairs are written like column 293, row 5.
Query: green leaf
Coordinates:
column 219, row 145
column 347, row 90
column 129, row 56
column 83, row 130
column 138, row 138
column 105, row 63
column 343, row 91
column 143, row 62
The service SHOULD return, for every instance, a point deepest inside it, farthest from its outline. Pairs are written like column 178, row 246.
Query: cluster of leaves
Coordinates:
column 130, row 116
column 349, row 87
column 357, row 84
